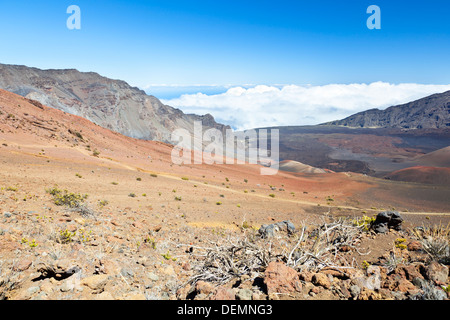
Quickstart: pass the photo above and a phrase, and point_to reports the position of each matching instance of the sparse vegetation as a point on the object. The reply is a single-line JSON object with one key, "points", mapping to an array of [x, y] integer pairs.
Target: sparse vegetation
{"points": [[76, 133], [103, 203], [364, 222], [245, 225], [168, 256], [95, 153], [365, 264], [65, 198], [400, 243], [65, 236], [435, 241], [31, 244]]}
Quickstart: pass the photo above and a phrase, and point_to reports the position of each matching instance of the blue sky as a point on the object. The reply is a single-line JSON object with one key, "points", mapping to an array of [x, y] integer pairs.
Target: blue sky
{"points": [[233, 42], [214, 45]]}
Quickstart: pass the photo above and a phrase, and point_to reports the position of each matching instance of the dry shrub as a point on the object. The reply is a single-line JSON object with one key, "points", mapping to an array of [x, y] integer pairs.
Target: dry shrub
{"points": [[250, 254]]}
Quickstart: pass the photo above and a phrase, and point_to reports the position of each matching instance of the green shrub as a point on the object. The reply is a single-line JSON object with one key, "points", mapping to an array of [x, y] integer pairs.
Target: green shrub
{"points": [[65, 198], [167, 256], [364, 222], [65, 236], [76, 133], [96, 153], [102, 203]]}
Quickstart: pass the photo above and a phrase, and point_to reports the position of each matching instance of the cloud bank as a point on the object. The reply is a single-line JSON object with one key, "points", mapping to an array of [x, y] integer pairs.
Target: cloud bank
{"points": [[265, 106]]}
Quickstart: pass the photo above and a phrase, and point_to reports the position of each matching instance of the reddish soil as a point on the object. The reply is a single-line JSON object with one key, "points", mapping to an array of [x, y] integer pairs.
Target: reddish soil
{"points": [[41, 147], [420, 174]]}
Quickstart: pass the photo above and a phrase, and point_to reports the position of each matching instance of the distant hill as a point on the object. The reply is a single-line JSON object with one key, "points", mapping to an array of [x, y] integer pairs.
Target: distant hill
{"points": [[112, 104], [438, 158], [420, 174], [432, 112], [298, 167]]}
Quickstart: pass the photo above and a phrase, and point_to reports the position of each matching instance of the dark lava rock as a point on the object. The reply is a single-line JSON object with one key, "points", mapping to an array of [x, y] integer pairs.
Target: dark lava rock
{"points": [[387, 220]]}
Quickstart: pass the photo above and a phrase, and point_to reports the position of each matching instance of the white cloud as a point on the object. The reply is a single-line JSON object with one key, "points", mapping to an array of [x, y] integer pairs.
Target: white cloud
{"points": [[262, 105]]}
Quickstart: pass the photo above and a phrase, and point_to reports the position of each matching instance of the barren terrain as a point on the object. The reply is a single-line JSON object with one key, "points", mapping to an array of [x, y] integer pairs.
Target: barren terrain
{"points": [[144, 215]]}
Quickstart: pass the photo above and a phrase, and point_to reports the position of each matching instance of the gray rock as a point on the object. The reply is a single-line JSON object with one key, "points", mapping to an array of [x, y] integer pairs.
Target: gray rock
{"points": [[152, 276], [127, 272], [437, 272], [354, 291], [398, 295], [66, 286], [244, 294], [380, 228], [419, 282], [430, 292], [267, 231], [387, 220], [32, 290]]}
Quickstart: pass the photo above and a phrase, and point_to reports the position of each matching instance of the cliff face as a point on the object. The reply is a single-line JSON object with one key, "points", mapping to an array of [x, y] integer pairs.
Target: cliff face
{"points": [[112, 104], [432, 112]]}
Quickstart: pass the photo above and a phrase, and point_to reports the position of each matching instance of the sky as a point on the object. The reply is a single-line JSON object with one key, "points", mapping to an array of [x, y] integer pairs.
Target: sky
{"points": [[228, 56]]}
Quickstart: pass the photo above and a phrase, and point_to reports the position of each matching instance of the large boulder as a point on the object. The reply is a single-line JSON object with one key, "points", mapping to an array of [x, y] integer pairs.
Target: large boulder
{"points": [[280, 278], [437, 272], [387, 220]]}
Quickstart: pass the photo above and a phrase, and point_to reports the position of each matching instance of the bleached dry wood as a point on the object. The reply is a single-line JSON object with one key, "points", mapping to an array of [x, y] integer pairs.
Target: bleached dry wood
{"points": [[234, 257]]}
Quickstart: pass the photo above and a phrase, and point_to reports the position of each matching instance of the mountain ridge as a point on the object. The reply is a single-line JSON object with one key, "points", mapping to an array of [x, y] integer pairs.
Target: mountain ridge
{"points": [[431, 112], [110, 103]]}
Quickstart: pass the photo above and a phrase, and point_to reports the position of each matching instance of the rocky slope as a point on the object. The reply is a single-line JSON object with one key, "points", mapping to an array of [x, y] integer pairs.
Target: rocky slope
{"points": [[429, 112], [112, 104], [89, 214]]}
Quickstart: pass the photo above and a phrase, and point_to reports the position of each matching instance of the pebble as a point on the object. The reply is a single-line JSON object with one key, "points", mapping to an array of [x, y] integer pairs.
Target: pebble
{"points": [[244, 294], [152, 276]]}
